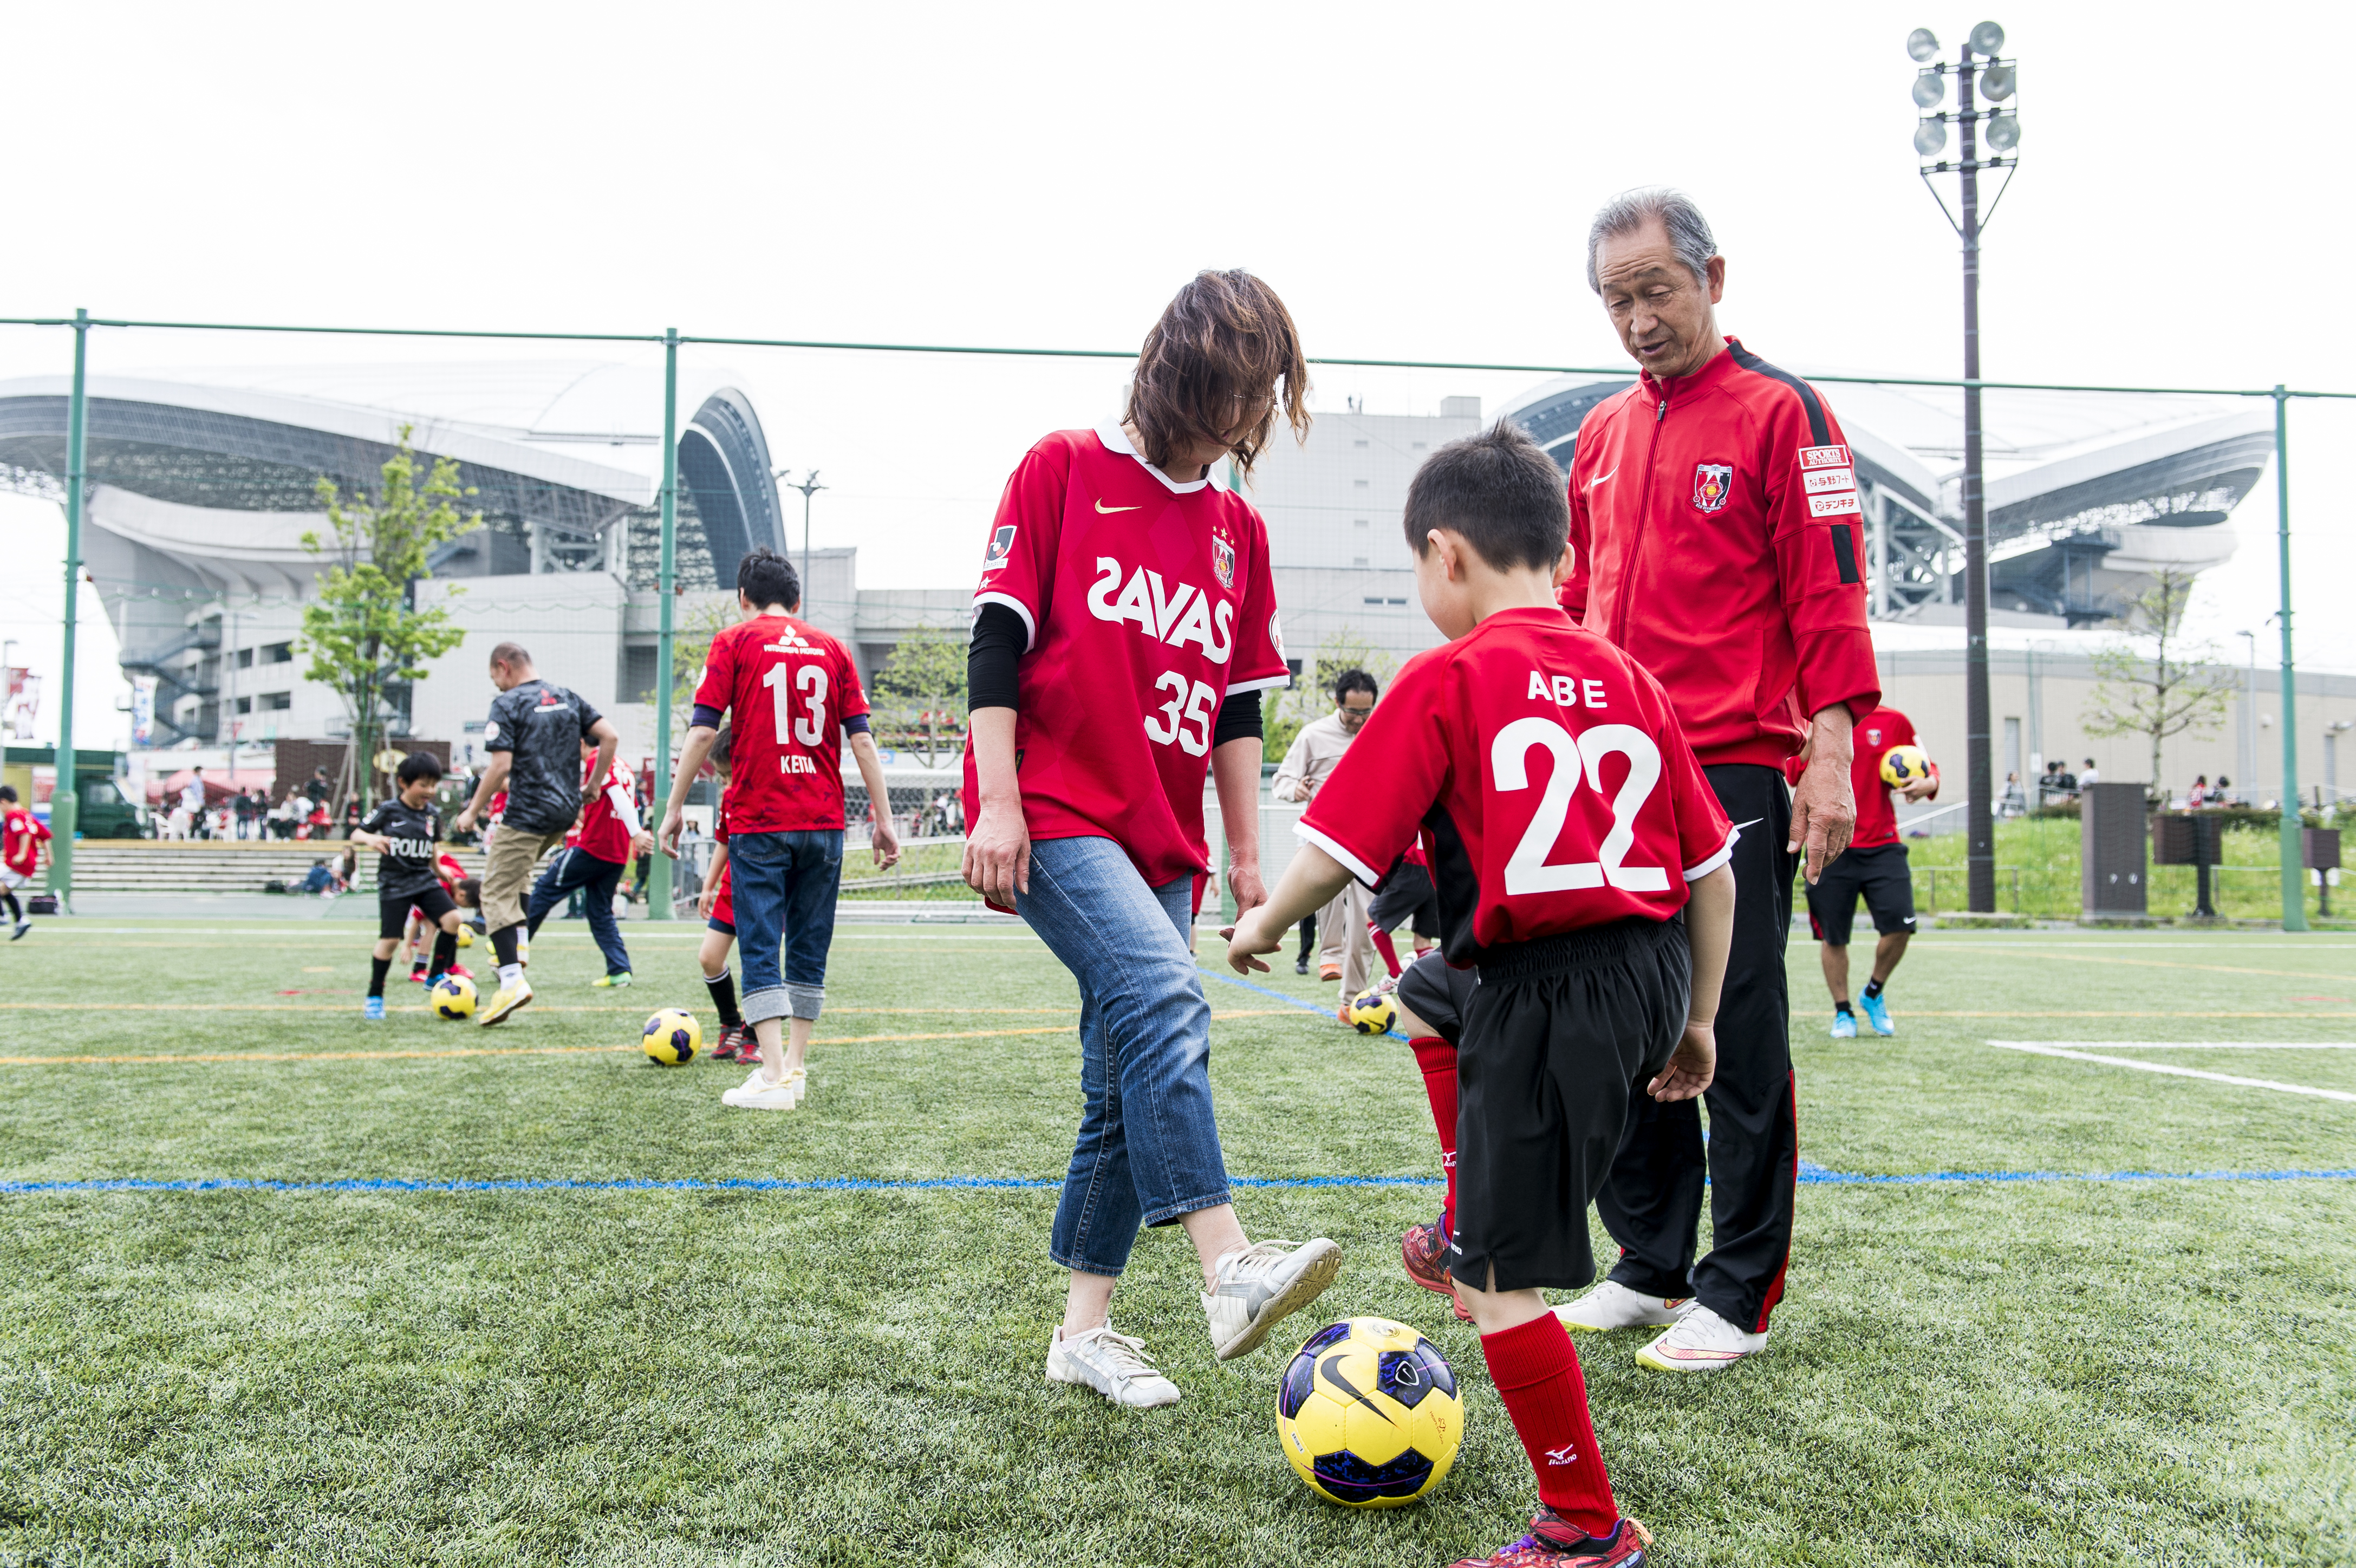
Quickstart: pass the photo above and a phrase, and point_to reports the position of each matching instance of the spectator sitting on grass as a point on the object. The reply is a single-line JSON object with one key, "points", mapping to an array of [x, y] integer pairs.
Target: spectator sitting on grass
{"points": [[319, 880]]}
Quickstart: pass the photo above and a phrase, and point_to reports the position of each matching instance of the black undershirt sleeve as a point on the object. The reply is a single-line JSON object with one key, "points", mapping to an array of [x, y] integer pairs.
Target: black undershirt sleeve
{"points": [[1240, 719], [998, 641]]}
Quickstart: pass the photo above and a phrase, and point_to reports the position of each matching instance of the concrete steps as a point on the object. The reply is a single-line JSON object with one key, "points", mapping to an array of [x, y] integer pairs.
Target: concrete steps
{"points": [[106, 866]]}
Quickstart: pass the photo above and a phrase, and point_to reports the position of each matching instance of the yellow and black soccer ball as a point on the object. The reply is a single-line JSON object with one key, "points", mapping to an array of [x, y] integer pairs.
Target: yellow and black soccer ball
{"points": [[452, 998], [1368, 1413], [466, 938], [672, 1036], [1901, 765], [1372, 1011]]}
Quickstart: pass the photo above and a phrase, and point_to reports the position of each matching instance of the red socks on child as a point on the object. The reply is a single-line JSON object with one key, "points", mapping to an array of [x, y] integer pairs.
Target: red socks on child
{"points": [[1536, 1374], [1436, 1058], [1382, 940]]}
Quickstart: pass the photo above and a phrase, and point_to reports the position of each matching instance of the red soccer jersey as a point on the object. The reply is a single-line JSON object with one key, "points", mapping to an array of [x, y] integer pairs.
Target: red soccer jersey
{"points": [[787, 687], [609, 819], [1148, 603], [1550, 779], [1876, 812], [21, 837]]}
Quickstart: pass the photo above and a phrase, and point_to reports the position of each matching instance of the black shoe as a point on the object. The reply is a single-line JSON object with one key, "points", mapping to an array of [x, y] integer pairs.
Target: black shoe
{"points": [[1301, 965]]}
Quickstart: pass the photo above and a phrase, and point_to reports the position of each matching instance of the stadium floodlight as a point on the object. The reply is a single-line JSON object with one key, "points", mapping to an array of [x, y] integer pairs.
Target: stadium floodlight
{"points": [[2003, 133], [1929, 86], [1921, 44], [1930, 136], [1987, 38], [1997, 83]]}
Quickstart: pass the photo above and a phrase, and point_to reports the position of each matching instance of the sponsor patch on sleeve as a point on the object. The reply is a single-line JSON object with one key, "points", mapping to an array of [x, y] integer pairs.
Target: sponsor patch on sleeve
{"points": [[1824, 456], [1815, 479], [1833, 505], [1002, 547]]}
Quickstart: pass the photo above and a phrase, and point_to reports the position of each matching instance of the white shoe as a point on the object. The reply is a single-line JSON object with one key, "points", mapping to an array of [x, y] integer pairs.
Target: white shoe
{"points": [[1112, 1364], [757, 1093], [1613, 1305], [1258, 1286], [1702, 1341]]}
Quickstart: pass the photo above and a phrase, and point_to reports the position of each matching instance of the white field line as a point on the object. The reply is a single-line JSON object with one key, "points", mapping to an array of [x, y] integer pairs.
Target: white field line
{"points": [[2045, 1050], [2188, 1045]]}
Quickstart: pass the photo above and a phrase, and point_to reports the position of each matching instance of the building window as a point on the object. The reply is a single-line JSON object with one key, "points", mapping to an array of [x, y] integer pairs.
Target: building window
{"points": [[1358, 522], [276, 701], [245, 658], [1362, 484], [278, 653], [638, 673], [1394, 601], [1358, 560], [1418, 446], [1374, 598], [1360, 442], [245, 704]]}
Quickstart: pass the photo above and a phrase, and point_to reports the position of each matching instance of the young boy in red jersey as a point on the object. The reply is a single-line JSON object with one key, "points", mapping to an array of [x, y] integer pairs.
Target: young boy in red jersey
{"points": [[22, 834], [1581, 861], [791, 693]]}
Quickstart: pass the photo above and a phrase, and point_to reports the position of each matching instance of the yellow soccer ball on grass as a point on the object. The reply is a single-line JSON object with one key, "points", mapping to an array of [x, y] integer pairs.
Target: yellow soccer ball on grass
{"points": [[1368, 1413], [466, 938], [452, 998], [1372, 1013], [672, 1036], [1903, 764]]}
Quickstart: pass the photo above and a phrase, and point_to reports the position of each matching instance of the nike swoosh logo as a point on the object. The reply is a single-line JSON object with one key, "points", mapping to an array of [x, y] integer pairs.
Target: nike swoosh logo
{"points": [[1599, 479], [1101, 507], [1325, 1370], [1752, 823]]}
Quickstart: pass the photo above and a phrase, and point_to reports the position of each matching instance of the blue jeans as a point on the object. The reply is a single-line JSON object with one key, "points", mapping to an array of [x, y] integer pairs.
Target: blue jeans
{"points": [[1149, 1144], [576, 871], [784, 886]]}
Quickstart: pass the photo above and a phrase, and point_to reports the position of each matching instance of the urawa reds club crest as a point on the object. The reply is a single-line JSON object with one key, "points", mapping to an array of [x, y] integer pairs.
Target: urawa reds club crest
{"points": [[1713, 482]]}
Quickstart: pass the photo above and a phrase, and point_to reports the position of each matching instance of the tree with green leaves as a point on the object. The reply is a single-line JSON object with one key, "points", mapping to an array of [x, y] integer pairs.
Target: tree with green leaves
{"points": [[2178, 688], [364, 632], [924, 678], [1312, 696]]}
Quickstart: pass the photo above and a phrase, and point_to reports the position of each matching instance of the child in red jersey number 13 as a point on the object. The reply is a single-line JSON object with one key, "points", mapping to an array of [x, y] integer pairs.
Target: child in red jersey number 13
{"points": [[1579, 860]]}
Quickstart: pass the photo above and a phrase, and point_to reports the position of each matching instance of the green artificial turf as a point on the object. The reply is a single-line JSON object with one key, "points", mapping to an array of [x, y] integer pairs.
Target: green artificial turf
{"points": [[1965, 1372]]}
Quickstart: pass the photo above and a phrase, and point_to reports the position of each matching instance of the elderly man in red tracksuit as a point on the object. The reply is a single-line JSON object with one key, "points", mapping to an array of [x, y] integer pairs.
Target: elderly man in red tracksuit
{"points": [[1714, 522]]}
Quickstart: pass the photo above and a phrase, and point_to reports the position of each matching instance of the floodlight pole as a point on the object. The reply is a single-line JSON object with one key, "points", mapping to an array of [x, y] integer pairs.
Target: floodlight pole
{"points": [[658, 863], [65, 795], [1979, 823], [808, 488], [2294, 869]]}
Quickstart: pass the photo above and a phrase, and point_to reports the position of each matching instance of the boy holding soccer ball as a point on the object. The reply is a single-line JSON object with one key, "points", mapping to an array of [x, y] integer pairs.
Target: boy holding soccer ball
{"points": [[1581, 861], [402, 830]]}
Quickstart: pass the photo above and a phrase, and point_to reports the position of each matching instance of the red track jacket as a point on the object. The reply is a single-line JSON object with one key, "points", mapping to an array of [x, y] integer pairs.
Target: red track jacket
{"points": [[1715, 527]]}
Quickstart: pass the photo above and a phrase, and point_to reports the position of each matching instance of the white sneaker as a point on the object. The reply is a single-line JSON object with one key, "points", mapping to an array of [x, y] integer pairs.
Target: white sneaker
{"points": [[757, 1093], [1112, 1364], [1613, 1305], [1702, 1341], [1258, 1286]]}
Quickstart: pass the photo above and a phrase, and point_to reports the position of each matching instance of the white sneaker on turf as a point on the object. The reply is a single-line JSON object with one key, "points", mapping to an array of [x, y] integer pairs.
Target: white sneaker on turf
{"points": [[757, 1093], [1260, 1284], [1702, 1341], [1112, 1364], [1613, 1305]]}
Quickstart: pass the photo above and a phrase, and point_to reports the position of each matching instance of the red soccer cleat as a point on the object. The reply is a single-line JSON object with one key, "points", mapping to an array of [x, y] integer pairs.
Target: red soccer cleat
{"points": [[735, 1041], [1423, 1252], [1553, 1541]]}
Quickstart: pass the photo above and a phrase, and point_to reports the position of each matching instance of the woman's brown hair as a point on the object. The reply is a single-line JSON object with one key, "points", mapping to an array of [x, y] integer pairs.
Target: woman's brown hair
{"points": [[1224, 345]]}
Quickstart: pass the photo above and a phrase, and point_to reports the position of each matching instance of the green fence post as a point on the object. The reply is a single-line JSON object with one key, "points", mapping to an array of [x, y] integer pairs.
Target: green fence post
{"points": [[659, 868], [65, 798], [2294, 871]]}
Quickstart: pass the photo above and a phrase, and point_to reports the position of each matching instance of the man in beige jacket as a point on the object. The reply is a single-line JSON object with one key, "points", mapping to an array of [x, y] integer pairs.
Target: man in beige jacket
{"points": [[1345, 953]]}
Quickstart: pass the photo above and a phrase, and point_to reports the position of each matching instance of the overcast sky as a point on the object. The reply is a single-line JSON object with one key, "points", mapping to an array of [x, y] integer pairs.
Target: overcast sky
{"points": [[1415, 180]]}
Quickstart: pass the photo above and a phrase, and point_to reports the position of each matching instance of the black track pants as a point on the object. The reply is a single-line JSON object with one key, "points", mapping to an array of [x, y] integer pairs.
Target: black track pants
{"points": [[1652, 1204]]}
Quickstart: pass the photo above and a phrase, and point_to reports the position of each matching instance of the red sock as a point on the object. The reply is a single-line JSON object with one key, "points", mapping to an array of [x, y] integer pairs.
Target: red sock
{"points": [[1382, 940], [1536, 1374], [1436, 1058]]}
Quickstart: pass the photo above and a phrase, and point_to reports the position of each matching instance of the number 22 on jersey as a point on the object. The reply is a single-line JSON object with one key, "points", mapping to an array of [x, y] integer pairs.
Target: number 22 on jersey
{"points": [[1576, 759]]}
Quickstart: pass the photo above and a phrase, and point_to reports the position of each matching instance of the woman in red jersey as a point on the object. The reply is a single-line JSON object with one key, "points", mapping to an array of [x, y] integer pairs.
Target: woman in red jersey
{"points": [[1124, 631]]}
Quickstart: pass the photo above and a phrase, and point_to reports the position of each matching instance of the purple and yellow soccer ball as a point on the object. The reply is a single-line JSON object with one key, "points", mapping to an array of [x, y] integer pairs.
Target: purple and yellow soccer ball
{"points": [[1901, 765], [672, 1037], [1372, 1013], [1368, 1415], [452, 998]]}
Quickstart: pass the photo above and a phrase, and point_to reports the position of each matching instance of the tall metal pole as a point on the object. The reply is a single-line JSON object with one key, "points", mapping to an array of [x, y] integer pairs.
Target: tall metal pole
{"points": [[2294, 873], [65, 798], [1978, 822], [658, 866]]}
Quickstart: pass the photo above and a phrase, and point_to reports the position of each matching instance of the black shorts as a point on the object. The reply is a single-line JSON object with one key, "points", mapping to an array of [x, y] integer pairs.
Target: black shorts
{"points": [[1882, 875], [393, 914], [1407, 896], [1437, 994], [1559, 1030]]}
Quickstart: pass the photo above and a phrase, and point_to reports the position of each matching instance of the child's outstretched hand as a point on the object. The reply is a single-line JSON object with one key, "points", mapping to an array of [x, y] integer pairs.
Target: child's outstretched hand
{"points": [[1691, 1066], [1246, 937]]}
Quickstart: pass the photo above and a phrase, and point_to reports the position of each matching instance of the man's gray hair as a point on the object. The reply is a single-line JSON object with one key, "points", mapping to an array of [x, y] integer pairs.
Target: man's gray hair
{"points": [[1630, 210]]}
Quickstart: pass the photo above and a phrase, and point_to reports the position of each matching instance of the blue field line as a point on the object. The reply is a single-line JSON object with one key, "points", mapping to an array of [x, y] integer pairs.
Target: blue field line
{"points": [[1280, 996], [1808, 1173]]}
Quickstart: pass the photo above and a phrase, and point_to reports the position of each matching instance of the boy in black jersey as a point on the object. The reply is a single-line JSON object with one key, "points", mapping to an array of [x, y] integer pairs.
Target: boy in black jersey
{"points": [[403, 831]]}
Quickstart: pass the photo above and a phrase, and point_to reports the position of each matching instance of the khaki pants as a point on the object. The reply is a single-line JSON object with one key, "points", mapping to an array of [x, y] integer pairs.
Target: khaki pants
{"points": [[1342, 937], [507, 874]]}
